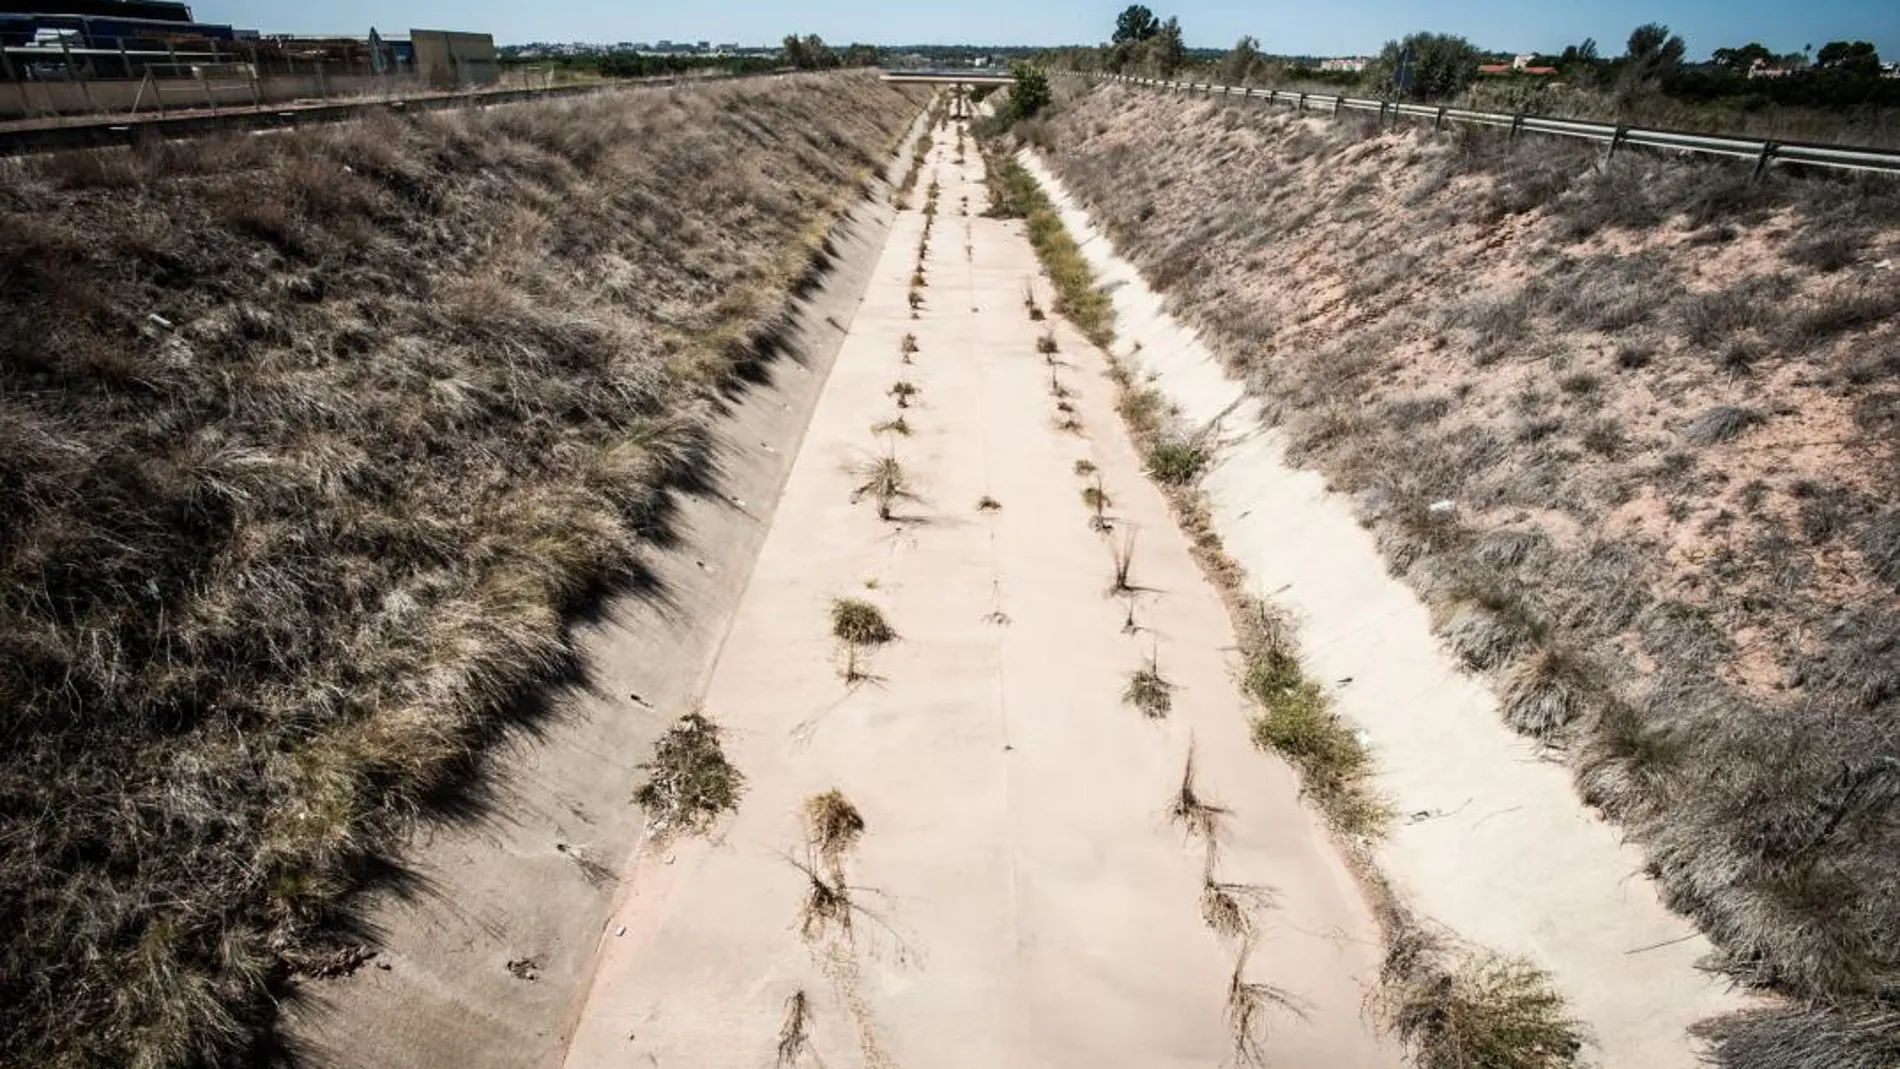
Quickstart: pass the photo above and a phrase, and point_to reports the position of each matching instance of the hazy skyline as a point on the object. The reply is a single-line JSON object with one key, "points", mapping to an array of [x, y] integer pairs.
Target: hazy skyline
{"points": [[1356, 26]]}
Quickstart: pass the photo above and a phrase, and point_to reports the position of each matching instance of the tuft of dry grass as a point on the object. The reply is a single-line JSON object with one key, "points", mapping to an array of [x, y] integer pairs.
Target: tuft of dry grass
{"points": [[1148, 692], [883, 480], [1250, 1007], [1122, 553], [1196, 815], [986, 503], [827, 905], [860, 623], [794, 1035], [689, 781], [279, 565], [1229, 908], [899, 426], [833, 826]]}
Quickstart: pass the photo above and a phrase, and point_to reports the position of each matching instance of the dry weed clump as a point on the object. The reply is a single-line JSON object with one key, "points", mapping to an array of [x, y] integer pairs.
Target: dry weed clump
{"points": [[1476, 1009], [310, 446], [689, 781], [1197, 816], [860, 623], [883, 480], [1677, 385], [1148, 691], [833, 826]]}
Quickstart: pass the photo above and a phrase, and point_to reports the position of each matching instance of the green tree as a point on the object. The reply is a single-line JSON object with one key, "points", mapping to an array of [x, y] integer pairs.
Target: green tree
{"points": [[860, 56], [809, 53], [1743, 59], [1167, 52], [1136, 23], [1851, 57], [1653, 50], [1030, 94], [1242, 63], [1425, 66]]}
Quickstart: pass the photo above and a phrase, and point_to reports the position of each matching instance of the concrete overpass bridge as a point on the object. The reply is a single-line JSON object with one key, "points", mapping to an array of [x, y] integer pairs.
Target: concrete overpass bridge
{"points": [[965, 76]]}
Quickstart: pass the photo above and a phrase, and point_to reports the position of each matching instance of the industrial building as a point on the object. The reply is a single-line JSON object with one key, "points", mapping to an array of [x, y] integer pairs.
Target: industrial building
{"points": [[63, 56]]}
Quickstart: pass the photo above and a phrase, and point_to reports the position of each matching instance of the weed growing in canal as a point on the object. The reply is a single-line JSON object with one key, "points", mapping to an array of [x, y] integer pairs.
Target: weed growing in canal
{"points": [[1098, 502], [898, 426], [988, 504], [794, 1036], [1150, 693], [827, 903], [917, 279], [832, 828], [1487, 1010], [904, 390], [1085, 468], [1056, 389], [1123, 552], [1248, 1005], [1197, 816], [1228, 908], [1046, 344], [884, 483], [689, 781], [1177, 462], [860, 623], [1299, 723]]}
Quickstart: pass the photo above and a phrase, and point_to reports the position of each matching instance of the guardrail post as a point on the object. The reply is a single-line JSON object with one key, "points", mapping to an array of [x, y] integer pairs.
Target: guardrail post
{"points": [[1517, 123], [1300, 104], [1616, 142], [1768, 149], [72, 73], [19, 84], [1338, 102], [1439, 122]]}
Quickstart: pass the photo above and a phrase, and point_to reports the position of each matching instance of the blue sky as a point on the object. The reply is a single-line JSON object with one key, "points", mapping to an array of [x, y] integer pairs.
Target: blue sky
{"points": [[1332, 27]]}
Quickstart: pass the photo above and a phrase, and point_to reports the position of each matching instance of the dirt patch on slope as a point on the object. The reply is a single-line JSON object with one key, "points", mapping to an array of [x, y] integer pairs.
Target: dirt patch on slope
{"points": [[1655, 409], [315, 447]]}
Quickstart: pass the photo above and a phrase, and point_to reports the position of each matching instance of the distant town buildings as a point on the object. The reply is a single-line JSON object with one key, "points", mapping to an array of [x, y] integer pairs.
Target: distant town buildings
{"points": [[664, 47], [1347, 64]]}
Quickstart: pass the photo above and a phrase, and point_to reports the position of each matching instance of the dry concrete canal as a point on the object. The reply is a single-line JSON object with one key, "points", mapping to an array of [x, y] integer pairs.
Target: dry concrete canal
{"points": [[1022, 891]]}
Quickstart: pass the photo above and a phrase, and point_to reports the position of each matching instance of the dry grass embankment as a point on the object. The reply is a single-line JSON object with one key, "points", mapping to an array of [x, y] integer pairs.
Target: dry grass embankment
{"points": [[310, 447], [1633, 434]]}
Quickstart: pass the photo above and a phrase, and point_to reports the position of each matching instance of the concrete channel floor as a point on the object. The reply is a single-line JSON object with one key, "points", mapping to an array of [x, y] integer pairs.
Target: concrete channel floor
{"points": [[1019, 895]]}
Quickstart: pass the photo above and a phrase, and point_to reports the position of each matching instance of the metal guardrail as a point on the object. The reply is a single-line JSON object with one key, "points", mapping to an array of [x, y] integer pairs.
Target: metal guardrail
{"points": [[1764, 153]]}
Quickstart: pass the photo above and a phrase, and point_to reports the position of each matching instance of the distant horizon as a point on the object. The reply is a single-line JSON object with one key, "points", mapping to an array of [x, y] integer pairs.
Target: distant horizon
{"points": [[1348, 28]]}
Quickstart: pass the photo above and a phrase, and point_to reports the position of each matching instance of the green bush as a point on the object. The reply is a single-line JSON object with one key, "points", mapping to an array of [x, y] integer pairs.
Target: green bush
{"points": [[1031, 93], [1176, 463]]}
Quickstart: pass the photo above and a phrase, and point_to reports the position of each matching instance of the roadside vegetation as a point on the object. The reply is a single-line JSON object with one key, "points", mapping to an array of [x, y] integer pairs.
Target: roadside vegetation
{"points": [[1838, 91], [310, 448], [1630, 430]]}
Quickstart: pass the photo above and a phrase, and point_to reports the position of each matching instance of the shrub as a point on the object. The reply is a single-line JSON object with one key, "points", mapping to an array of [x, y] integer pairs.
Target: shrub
{"points": [[689, 781], [859, 623], [1177, 462]]}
